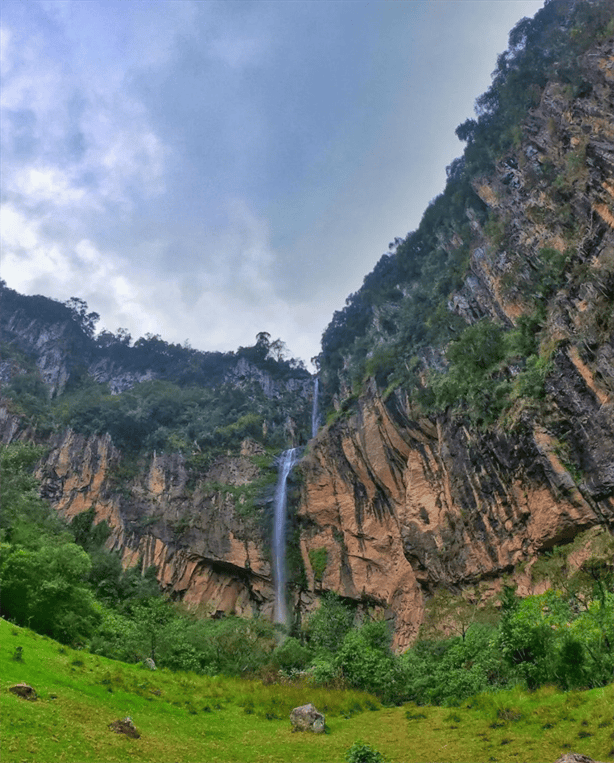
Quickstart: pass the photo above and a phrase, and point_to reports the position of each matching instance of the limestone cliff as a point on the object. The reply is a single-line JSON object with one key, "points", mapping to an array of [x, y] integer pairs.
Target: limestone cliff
{"points": [[403, 502], [207, 543]]}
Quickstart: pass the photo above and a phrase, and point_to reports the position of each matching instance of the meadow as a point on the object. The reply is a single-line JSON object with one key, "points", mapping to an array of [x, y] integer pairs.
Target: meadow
{"points": [[193, 718]]}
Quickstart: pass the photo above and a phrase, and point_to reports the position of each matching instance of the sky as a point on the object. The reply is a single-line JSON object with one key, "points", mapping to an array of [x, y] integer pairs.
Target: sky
{"points": [[208, 170]]}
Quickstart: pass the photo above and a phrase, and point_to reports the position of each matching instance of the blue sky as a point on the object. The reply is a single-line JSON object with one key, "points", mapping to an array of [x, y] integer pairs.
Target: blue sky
{"points": [[209, 170]]}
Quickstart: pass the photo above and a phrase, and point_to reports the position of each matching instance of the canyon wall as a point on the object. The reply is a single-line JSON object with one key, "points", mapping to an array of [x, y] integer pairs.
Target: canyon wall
{"points": [[403, 502], [207, 545]]}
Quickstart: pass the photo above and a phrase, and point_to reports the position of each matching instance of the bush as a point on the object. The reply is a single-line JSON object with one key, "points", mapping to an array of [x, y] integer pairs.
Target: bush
{"points": [[291, 655], [329, 624], [361, 752]]}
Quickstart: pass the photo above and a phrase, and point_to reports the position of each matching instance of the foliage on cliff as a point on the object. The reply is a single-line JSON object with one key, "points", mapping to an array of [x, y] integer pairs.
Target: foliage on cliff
{"points": [[174, 398], [413, 304]]}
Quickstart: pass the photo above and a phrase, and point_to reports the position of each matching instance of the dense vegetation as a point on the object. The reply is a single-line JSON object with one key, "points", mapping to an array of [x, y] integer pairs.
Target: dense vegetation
{"points": [[199, 404], [402, 319], [60, 580]]}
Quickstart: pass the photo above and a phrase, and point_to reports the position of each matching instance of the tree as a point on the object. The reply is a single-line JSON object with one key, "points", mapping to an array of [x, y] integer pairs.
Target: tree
{"points": [[47, 590], [86, 321], [151, 618], [330, 623]]}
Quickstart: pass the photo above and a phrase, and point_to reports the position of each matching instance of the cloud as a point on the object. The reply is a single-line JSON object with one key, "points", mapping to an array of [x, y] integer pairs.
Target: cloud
{"points": [[211, 170]]}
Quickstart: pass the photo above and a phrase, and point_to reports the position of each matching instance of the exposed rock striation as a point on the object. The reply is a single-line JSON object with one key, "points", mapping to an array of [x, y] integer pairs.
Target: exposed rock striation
{"points": [[405, 503], [205, 550], [401, 503]]}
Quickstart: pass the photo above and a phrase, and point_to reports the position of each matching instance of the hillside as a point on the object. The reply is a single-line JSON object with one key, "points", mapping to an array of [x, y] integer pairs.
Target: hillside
{"points": [[472, 376]]}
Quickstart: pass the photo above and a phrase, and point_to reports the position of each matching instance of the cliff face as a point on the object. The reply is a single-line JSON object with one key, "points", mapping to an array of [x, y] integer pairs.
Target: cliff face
{"points": [[55, 339], [209, 548], [404, 503]]}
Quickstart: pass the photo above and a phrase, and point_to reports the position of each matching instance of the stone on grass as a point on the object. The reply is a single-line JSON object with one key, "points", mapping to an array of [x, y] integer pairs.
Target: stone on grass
{"points": [[24, 691], [574, 757], [307, 718], [125, 726], [149, 664]]}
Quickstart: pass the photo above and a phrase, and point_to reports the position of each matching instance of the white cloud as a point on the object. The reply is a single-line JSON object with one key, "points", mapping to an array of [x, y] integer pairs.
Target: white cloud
{"points": [[45, 184], [125, 134]]}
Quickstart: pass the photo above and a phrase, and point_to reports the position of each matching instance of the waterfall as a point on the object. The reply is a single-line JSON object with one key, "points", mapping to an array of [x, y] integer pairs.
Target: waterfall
{"points": [[286, 461], [315, 413]]}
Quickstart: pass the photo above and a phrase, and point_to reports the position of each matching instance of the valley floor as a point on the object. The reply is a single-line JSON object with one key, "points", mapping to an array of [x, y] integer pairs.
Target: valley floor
{"points": [[196, 719]]}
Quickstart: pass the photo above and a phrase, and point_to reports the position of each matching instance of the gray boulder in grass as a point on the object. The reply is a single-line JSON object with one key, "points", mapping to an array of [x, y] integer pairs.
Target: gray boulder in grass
{"points": [[307, 718], [574, 757]]}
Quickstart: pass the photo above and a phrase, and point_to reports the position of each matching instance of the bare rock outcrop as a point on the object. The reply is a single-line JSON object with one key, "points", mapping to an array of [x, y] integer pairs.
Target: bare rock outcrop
{"points": [[403, 503]]}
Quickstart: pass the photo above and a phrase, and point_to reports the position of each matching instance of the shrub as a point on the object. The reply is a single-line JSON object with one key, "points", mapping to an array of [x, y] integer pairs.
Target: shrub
{"points": [[361, 752], [292, 655]]}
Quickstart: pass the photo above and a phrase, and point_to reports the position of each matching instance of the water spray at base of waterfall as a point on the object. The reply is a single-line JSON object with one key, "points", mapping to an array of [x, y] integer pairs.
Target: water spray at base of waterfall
{"points": [[286, 461]]}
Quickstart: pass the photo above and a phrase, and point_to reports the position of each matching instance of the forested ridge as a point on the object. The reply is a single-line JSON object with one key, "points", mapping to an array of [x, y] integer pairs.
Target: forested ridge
{"points": [[148, 394], [406, 324]]}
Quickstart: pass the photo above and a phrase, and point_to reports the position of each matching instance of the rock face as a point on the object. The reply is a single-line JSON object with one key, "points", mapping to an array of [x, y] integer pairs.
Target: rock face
{"points": [[403, 503], [55, 340], [205, 550]]}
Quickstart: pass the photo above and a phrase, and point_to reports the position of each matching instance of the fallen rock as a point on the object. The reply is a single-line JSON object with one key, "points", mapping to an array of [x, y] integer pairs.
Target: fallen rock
{"points": [[307, 718], [125, 726], [24, 691]]}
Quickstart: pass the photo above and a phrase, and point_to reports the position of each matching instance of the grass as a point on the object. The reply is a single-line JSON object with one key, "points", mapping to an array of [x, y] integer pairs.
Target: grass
{"points": [[191, 718]]}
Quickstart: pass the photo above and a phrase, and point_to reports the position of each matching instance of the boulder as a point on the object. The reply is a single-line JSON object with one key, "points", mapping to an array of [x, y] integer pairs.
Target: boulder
{"points": [[24, 691], [307, 718], [149, 664], [125, 726], [574, 757]]}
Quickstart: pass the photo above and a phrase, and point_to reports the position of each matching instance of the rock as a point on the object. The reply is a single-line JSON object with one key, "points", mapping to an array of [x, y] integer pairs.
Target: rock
{"points": [[574, 757], [307, 718], [24, 691], [125, 726], [149, 664]]}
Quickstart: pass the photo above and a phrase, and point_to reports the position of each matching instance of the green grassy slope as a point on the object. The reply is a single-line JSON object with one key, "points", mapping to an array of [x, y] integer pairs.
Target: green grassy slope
{"points": [[185, 717]]}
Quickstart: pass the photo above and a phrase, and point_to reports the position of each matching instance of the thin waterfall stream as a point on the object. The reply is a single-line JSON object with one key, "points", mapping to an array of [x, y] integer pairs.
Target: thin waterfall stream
{"points": [[286, 461], [315, 411]]}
